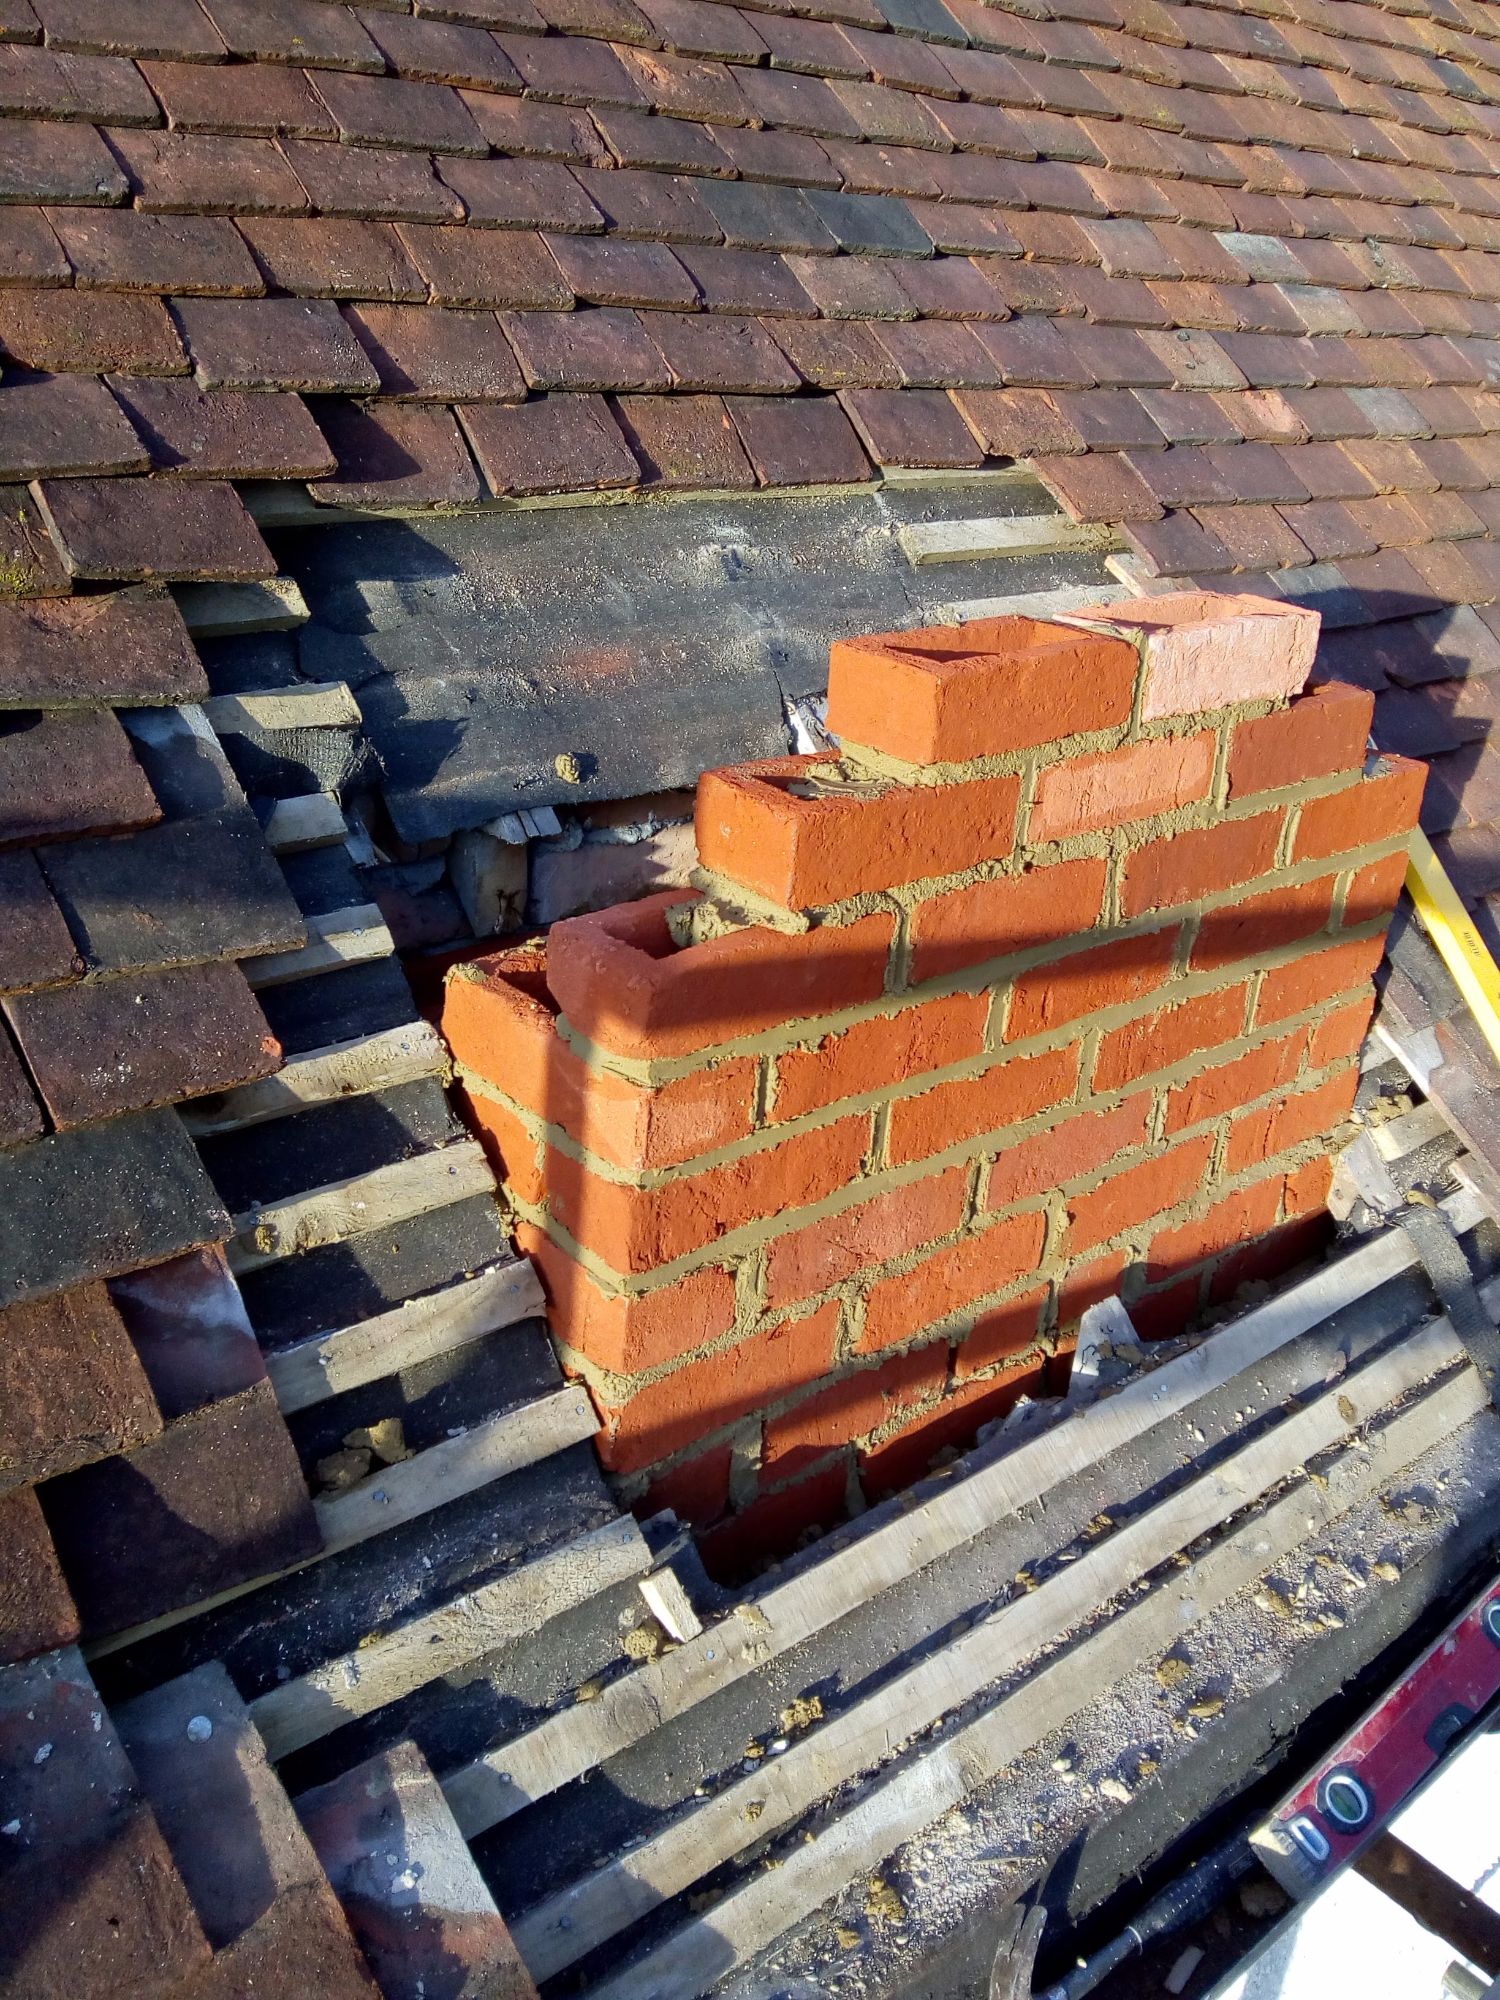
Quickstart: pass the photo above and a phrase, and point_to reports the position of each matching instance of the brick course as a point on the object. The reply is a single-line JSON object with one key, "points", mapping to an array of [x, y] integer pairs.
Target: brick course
{"points": [[1049, 985]]}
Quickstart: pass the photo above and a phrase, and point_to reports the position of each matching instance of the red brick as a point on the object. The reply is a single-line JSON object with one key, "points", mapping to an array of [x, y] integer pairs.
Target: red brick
{"points": [[1008, 913], [620, 981], [1375, 889], [1237, 1219], [703, 1396], [1319, 975], [1320, 733], [1278, 1252], [1087, 982], [1136, 1195], [1307, 1189], [954, 692], [1000, 1334], [873, 1054], [774, 1525], [511, 1148], [1002, 1095], [1079, 1145], [1379, 808], [628, 1333], [1156, 1041], [1261, 923], [954, 1425], [809, 1260], [1089, 1285], [791, 831], [1340, 1033], [944, 1285], [1259, 1135], [1087, 794], [1185, 866], [1206, 651], [851, 1408], [635, 1229], [499, 1022], [1165, 1314], [697, 1491], [1229, 1085]]}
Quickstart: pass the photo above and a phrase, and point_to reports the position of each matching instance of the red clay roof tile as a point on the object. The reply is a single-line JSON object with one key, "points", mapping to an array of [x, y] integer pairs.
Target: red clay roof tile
{"points": [[123, 249], [223, 433], [193, 173], [722, 353], [432, 355], [553, 444], [917, 427], [374, 182], [294, 31], [89, 333], [684, 441], [809, 442], [395, 455], [57, 424], [45, 162], [271, 344], [267, 98], [152, 529]]}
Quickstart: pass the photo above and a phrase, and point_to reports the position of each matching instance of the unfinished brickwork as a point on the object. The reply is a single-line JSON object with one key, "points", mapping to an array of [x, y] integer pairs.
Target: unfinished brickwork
{"points": [[1050, 986]]}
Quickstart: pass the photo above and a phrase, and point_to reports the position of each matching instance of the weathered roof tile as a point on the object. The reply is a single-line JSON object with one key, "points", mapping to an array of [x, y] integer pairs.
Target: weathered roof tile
{"points": [[371, 182], [328, 257], [192, 173], [685, 441], [67, 773], [223, 433], [41, 161], [721, 352], [554, 444], [599, 347], [125, 249], [64, 424], [809, 442], [144, 529], [125, 647], [267, 98], [441, 51], [270, 344], [522, 194], [403, 455], [84, 333], [917, 427], [101, 90], [294, 31], [130, 28], [432, 355], [486, 267]]}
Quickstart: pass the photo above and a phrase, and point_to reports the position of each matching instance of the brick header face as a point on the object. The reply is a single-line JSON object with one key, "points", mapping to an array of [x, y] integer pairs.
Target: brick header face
{"points": [[1049, 985]]}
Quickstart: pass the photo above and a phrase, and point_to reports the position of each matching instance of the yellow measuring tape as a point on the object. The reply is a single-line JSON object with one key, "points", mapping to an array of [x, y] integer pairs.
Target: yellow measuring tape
{"points": [[1451, 929]]}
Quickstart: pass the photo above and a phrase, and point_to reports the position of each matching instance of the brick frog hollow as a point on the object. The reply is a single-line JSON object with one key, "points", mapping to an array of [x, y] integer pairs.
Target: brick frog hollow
{"points": [[1050, 985]]}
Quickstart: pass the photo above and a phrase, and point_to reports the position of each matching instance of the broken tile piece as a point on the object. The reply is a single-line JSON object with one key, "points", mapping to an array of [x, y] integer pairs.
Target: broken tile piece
{"points": [[121, 530], [1201, 651], [133, 1043]]}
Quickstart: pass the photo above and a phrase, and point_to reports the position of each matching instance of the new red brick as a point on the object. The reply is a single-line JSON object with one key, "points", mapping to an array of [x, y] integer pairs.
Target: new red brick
{"points": [[793, 832], [1005, 914], [1259, 1135], [702, 1396], [1067, 1151], [1086, 794], [1131, 1198], [1238, 1219], [1158, 1040], [1292, 989], [945, 1286], [1185, 866], [1340, 1034], [1264, 922], [952, 1426], [1375, 889], [620, 981], [1087, 982], [1320, 733], [697, 1491], [872, 1055], [1000, 1334], [1229, 1085], [775, 1524], [628, 1333], [852, 1408], [1378, 808], [980, 690], [1002, 1095], [826, 1253], [505, 1032], [635, 1229]]}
